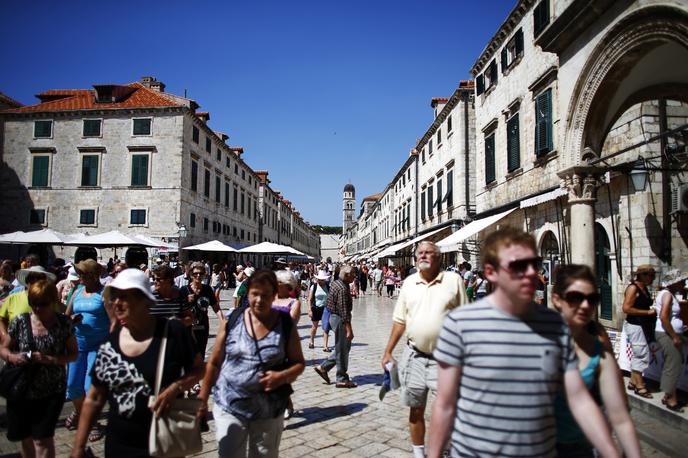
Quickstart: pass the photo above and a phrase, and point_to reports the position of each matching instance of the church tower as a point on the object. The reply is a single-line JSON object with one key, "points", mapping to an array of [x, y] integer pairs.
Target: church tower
{"points": [[349, 206]]}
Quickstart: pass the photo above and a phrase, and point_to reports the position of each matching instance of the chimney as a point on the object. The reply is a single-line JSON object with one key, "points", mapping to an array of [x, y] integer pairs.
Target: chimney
{"points": [[263, 176], [238, 150], [151, 83], [204, 116]]}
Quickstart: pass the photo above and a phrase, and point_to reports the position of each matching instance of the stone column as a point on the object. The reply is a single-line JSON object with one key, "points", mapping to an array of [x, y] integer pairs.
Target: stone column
{"points": [[582, 183]]}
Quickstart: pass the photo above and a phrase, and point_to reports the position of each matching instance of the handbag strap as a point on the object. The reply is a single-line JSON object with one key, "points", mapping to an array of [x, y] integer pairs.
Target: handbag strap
{"points": [[161, 361], [29, 336]]}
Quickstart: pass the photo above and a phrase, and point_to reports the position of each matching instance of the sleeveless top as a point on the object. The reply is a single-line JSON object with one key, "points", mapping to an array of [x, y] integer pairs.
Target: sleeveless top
{"points": [[237, 389], [674, 315], [320, 296], [642, 302], [95, 323], [284, 308], [568, 431]]}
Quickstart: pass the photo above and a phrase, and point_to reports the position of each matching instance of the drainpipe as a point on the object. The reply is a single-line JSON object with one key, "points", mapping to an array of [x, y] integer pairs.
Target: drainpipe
{"points": [[666, 191], [467, 183]]}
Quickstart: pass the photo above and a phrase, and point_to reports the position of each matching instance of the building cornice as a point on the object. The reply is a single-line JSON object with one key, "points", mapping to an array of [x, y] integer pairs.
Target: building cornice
{"points": [[503, 33], [442, 115], [89, 113]]}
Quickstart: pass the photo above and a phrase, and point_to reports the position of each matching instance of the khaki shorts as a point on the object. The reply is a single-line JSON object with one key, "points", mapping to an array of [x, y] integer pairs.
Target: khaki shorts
{"points": [[418, 376]]}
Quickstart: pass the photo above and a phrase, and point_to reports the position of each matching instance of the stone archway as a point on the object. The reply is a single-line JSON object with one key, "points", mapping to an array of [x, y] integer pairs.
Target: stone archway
{"points": [[635, 61]]}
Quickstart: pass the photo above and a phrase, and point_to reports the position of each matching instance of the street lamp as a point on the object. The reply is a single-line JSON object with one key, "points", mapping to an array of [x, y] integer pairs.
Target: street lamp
{"points": [[639, 175], [182, 231]]}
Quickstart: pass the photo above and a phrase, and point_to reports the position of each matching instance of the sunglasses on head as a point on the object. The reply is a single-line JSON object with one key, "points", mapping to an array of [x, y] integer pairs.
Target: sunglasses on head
{"points": [[520, 266], [577, 298]]}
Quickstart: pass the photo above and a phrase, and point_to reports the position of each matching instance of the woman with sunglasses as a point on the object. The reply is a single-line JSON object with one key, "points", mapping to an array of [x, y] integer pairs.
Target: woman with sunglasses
{"points": [[252, 361], [125, 367], [43, 339], [639, 326], [169, 301], [575, 295]]}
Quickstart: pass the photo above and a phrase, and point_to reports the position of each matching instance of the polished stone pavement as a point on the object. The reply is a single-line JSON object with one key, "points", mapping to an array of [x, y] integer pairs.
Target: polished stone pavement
{"points": [[328, 422]]}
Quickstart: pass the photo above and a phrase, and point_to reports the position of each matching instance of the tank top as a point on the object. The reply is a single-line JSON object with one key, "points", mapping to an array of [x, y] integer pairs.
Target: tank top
{"points": [[642, 302], [95, 324], [568, 431], [674, 315], [320, 296]]}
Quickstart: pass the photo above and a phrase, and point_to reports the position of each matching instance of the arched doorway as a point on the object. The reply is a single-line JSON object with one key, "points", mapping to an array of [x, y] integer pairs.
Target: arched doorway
{"points": [[603, 270]]}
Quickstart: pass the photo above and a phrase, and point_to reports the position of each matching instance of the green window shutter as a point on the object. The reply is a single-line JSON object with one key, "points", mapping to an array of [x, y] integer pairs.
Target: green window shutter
{"points": [[519, 42], [139, 170], [480, 84], [40, 171], [142, 126], [42, 129], [431, 201], [450, 188], [540, 17], [91, 128], [194, 176], [422, 206], [504, 59], [489, 159], [439, 195], [493, 73], [513, 145], [89, 170], [543, 125]]}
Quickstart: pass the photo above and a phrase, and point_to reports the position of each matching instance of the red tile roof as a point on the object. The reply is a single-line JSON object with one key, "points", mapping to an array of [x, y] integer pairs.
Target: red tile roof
{"points": [[238, 149], [373, 196], [84, 99]]}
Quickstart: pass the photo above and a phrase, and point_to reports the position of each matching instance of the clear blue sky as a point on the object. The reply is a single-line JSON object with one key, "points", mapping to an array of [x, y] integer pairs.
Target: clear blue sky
{"points": [[317, 92]]}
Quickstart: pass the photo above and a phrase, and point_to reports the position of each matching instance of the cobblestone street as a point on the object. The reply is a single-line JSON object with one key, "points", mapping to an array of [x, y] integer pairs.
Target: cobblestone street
{"points": [[328, 422]]}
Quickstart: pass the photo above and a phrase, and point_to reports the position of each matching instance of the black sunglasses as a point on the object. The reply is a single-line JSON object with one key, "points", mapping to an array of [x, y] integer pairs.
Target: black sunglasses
{"points": [[577, 298], [520, 266]]}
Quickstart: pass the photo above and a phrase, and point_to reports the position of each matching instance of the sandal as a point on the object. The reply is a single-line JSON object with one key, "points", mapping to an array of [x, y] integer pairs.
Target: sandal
{"points": [[326, 349], [72, 421], [642, 392], [311, 345], [96, 433], [673, 407], [630, 386], [322, 373], [347, 384]]}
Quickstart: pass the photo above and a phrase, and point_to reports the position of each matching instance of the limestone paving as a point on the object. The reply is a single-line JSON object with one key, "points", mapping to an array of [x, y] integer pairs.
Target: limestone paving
{"points": [[328, 421]]}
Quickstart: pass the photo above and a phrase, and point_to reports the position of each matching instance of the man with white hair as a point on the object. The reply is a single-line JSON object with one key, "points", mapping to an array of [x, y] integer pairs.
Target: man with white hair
{"points": [[425, 299], [339, 304]]}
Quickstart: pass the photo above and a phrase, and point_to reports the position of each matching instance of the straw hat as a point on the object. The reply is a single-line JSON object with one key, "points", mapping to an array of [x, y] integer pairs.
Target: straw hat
{"points": [[645, 269], [322, 275], [23, 273]]}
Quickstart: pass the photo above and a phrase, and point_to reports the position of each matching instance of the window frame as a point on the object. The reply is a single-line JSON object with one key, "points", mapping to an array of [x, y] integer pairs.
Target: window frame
{"points": [[492, 176], [95, 217], [100, 128], [133, 128], [131, 215], [32, 211], [148, 171], [99, 168], [52, 128], [513, 164], [194, 179], [207, 175], [33, 167]]}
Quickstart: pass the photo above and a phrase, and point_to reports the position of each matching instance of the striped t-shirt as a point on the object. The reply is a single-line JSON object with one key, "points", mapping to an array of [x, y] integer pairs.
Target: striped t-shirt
{"points": [[168, 308], [511, 371]]}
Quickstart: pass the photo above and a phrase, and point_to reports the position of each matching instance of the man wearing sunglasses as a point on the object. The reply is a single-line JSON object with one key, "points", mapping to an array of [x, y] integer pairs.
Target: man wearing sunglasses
{"points": [[505, 358]]}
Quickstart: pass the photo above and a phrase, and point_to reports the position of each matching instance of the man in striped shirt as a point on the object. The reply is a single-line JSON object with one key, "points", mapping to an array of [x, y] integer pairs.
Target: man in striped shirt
{"points": [[505, 358]]}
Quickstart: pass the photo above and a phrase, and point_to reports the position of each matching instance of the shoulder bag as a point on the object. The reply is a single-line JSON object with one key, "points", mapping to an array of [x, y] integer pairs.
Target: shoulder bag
{"points": [[177, 431], [14, 379]]}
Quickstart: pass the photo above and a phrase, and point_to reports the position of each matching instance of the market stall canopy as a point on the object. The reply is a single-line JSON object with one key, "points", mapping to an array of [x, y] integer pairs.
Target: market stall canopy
{"points": [[452, 242], [43, 236], [213, 245], [271, 248], [110, 239]]}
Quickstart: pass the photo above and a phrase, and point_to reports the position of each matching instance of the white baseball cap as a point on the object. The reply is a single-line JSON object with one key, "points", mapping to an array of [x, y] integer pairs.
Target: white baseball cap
{"points": [[131, 279]]}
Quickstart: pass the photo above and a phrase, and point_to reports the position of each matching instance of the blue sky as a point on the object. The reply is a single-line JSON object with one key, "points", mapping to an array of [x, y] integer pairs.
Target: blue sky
{"points": [[319, 93]]}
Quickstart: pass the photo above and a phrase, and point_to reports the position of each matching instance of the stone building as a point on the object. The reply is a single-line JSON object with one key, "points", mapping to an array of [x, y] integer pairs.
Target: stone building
{"points": [[572, 100], [128, 157]]}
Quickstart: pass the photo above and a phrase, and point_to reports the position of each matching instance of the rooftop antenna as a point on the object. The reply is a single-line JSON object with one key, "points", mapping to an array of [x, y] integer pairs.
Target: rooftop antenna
{"points": [[185, 94]]}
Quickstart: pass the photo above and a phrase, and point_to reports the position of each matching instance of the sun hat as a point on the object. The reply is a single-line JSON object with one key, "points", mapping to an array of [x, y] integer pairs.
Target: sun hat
{"points": [[239, 267], [131, 279], [645, 269], [72, 275], [322, 275], [88, 267], [280, 261], [249, 271], [22, 274]]}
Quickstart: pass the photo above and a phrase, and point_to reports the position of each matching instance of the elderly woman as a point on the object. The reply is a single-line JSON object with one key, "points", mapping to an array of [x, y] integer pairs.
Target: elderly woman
{"points": [[48, 337], [125, 366], [200, 297], [92, 326], [639, 325], [169, 301], [317, 297], [284, 302], [255, 358], [575, 296], [670, 336]]}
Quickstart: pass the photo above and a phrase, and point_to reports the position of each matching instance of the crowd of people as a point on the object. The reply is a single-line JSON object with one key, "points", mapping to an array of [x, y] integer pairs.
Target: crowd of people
{"points": [[509, 376]]}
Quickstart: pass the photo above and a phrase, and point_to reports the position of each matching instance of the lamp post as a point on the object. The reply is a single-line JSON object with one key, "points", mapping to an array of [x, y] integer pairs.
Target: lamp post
{"points": [[182, 232], [639, 175]]}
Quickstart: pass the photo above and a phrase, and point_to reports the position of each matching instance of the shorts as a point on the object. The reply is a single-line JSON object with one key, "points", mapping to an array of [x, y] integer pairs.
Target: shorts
{"points": [[317, 313], [418, 376], [34, 418]]}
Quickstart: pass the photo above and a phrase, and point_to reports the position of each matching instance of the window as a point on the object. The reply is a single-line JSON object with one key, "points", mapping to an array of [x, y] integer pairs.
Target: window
{"points": [[449, 123], [87, 217], [234, 231], [192, 220], [479, 84], [218, 189], [540, 17], [194, 176], [248, 209], [242, 203], [491, 74], [208, 145], [235, 199], [40, 171], [218, 155], [142, 126], [226, 194], [431, 201], [138, 216], [512, 144], [243, 174], [89, 170], [543, 123], [37, 216], [439, 195], [512, 51], [139, 170], [422, 155], [242, 234], [430, 147], [227, 160], [43, 129], [439, 137], [195, 134], [205, 224], [206, 184], [450, 189], [489, 159], [236, 169], [92, 127]]}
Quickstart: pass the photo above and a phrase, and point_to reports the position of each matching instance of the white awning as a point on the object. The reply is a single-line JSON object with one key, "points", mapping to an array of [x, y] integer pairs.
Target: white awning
{"points": [[451, 243], [400, 246], [542, 198], [391, 250]]}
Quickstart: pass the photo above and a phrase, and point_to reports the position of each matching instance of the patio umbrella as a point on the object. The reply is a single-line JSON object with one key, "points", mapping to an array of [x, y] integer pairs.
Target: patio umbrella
{"points": [[110, 239], [42, 236], [271, 248], [214, 245]]}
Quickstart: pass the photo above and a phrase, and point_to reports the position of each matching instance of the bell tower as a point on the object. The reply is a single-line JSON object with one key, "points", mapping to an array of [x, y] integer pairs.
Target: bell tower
{"points": [[349, 206]]}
